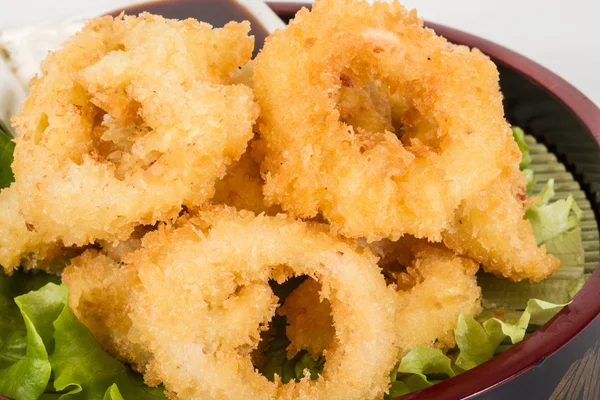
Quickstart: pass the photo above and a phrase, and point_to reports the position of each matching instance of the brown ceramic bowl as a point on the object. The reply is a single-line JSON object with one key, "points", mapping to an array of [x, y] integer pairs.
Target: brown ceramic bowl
{"points": [[559, 116]]}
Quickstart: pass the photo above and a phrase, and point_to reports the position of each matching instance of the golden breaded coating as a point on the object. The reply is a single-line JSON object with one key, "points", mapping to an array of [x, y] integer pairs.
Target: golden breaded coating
{"points": [[203, 298], [100, 291], [241, 187], [18, 241], [367, 108], [490, 228], [389, 74], [450, 139], [436, 288], [310, 325], [133, 119]]}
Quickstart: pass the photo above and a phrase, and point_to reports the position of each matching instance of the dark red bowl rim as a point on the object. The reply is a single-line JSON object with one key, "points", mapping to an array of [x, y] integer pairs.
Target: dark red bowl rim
{"points": [[585, 307]]}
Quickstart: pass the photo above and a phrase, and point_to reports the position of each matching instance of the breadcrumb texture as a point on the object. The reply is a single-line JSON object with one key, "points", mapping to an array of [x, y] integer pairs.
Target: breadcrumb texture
{"points": [[393, 131], [133, 119], [433, 289], [310, 325], [100, 291], [211, 271], [489, 227], [370, 179], [18, 241], [242, 185]]}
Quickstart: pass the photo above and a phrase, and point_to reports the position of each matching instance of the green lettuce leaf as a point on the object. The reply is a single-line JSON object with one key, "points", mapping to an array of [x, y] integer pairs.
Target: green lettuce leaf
{"points": [[48, 339], [568, 247], [530, 179], [557, 225], [13, 335], [424, 361], [513, 296], [277, 363], [27, 378], [5, 128], [276, 352], [7, 147], [519, 136], [552, 219], [415, 367], [305, 362], [43, 307], [112, 393], [477, 341]]}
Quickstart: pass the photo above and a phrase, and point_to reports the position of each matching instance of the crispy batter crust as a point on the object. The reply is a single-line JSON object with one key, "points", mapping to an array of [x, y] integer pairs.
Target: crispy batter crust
{"points": [[211, 271], [489, 228], [133, 119], [19, 240], [435, 287], [334, 87], [454, 139], [242, 185], [310, 325]]}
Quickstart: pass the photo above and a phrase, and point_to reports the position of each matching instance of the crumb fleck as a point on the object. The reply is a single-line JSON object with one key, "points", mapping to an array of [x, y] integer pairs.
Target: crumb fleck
{"points": [[346, 80]]}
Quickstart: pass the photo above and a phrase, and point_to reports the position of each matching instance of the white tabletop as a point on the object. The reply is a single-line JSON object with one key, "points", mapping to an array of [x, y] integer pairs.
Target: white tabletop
{"points": [[561, 35]]}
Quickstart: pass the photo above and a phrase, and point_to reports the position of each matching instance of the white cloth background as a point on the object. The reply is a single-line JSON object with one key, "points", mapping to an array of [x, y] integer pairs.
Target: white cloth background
{"points": [[561, 35]]}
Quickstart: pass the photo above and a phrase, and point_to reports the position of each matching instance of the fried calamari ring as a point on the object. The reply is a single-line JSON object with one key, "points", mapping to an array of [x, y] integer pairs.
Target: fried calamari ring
{"points": [[435, 287], [101, 292], [190, 312], [309, 321], [133, 119], [258, 249], [489, 228], [454, 139]]}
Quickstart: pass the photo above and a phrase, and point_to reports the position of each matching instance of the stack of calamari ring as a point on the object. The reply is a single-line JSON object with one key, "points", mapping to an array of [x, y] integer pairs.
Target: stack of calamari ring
{"points": [[177, 178]]}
